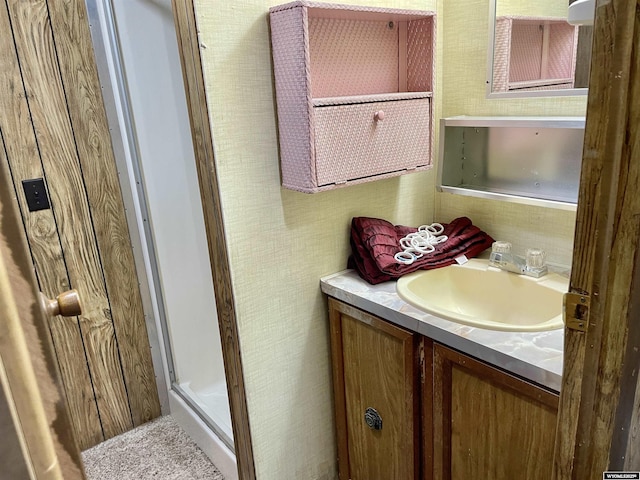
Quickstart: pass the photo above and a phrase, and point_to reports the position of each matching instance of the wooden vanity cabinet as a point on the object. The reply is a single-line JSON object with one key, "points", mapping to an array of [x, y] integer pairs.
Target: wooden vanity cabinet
{"points": [[444, 415], [375, 380], [489, 424]]}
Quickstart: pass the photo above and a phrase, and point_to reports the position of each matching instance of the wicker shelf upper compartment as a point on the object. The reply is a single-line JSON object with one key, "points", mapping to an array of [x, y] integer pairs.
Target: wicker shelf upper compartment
{"points": [[354, 88]]}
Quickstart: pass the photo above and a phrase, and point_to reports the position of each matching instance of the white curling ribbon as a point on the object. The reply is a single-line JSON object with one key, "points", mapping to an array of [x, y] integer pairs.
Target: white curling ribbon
{"points": [[415, 245]]}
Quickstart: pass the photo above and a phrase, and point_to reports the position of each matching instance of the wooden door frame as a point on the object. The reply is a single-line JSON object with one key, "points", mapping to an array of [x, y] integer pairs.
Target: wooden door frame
{"points": [[600, 388], [189, 49]]}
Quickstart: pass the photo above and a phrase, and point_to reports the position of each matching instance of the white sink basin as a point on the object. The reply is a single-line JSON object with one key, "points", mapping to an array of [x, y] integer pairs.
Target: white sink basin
{"points": [[482, 296]]}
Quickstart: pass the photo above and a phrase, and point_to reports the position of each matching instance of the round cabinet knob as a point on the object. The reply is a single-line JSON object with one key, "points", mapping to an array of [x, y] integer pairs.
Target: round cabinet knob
{"points": [[66, 304], [378, 116], [373, 419]]}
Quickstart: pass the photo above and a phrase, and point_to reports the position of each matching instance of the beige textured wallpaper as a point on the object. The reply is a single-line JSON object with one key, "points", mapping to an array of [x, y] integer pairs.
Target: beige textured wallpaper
{"points": [[282, 242], [465, 34], [539, 8]]}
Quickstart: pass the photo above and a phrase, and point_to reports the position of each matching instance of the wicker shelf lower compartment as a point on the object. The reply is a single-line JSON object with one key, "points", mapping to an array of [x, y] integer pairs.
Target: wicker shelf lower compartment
{"points": [[352, 144]]}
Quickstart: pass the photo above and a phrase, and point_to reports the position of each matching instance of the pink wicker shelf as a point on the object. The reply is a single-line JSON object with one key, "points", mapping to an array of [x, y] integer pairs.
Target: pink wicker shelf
{"points": [[534, 53], [354, 90]]}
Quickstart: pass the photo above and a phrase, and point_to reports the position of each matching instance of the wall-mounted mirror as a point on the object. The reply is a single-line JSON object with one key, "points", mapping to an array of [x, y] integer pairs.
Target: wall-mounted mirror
{"points": [[535, 52]]}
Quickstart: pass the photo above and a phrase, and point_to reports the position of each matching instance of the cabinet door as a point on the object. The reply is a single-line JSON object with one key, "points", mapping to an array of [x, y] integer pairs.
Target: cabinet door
{"points": [[375, 366], [489, 424], [351, 143]]}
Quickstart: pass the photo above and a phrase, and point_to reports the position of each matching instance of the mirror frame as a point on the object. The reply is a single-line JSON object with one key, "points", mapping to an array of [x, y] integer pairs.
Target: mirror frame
{"points": [[567, 92]]}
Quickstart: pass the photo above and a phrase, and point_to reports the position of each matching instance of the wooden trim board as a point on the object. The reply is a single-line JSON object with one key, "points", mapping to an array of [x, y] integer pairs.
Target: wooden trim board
{"points": [[189, 48]]}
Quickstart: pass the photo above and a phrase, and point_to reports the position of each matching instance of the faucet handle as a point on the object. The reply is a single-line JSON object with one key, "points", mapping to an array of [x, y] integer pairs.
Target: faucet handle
{"points": [[501, 247], [535, 258]]}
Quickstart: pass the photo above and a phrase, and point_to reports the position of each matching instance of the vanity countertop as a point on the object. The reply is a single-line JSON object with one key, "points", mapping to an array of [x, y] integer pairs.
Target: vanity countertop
{"points": [[535, 356]]}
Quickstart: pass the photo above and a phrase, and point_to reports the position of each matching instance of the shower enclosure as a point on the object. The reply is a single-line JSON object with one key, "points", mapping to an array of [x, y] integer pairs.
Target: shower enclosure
{"points": [[137, 55]]}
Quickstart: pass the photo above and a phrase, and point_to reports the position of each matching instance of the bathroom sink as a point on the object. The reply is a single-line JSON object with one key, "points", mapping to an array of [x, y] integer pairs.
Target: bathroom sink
{"points": [[486, 297]]}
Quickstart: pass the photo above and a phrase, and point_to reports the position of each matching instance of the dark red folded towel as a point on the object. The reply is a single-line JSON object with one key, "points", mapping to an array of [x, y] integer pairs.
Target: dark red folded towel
{"points": [[374, 243]]}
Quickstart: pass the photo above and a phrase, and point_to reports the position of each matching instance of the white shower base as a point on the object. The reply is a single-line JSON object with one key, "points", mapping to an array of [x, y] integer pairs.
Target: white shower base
{"points": [[223, 458], [213, 401]]}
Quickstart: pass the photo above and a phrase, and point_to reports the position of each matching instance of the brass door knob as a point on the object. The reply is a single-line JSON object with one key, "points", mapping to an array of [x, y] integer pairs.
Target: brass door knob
{"points": [[66, 304]]}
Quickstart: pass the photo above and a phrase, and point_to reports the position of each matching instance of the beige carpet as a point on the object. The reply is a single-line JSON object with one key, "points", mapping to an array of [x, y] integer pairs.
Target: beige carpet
{"points": [[157, 450]]}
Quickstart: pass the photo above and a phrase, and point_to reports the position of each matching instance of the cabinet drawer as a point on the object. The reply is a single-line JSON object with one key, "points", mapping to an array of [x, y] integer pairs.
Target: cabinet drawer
{"points": [[350, 143]]}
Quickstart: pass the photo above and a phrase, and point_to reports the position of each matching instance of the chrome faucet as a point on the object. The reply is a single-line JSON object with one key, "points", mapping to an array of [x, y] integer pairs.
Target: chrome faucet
{"points": [[533, 264]]}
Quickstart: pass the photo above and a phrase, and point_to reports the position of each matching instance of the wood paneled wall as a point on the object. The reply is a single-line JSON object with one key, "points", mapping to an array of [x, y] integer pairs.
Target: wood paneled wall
{"points": [[54, 127], [33, 410]]}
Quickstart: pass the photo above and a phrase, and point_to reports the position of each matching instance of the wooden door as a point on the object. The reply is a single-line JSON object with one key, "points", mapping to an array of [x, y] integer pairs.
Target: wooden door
{"points": [[489, 424], [600, 394], [36, 439], [375, 367], [54, 127]]}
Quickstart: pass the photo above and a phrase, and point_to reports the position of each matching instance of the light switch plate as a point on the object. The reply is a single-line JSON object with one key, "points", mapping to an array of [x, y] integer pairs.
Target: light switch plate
{"points": [[35, 192]]}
